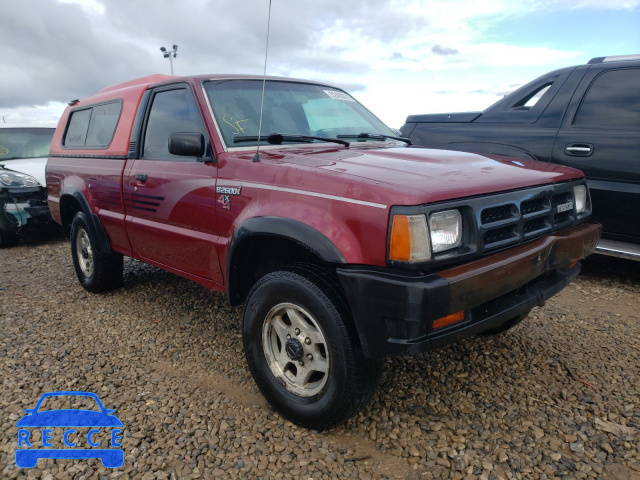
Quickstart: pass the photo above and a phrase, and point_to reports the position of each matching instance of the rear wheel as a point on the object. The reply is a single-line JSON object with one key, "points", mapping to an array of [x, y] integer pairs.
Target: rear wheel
{"points": [[302, 348], [96, 271]]}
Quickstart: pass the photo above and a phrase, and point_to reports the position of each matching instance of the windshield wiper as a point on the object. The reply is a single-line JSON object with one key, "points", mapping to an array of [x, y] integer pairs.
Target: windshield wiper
{"points": [[278, 138], [377, 136]]}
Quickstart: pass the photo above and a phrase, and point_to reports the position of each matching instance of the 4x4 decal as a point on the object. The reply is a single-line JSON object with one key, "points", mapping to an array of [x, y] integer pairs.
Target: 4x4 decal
{"points": [[224, 199]]}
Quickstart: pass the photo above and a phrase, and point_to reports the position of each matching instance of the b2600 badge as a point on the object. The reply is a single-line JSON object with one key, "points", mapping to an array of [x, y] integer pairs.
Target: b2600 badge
{"points": [[229, 190], [564, 207]]}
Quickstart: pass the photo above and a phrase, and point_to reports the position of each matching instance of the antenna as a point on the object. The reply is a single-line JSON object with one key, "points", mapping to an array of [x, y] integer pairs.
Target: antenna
{"points": [[256, 157]]}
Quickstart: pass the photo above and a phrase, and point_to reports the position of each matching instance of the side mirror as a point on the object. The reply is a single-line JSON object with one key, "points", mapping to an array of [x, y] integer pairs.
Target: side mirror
{"points": [[186, 144]]}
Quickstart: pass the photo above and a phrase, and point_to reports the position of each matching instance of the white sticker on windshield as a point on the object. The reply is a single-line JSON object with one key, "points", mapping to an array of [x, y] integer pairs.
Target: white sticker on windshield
{"points": [[339, 95]]}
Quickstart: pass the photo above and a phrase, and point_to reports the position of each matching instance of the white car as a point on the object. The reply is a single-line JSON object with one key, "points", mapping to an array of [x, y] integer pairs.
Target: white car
{"points": [[23, 190]]}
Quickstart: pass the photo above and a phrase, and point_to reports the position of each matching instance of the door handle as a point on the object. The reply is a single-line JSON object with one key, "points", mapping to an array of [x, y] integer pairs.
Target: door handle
{"points": [[141, 177], [579, 149]]}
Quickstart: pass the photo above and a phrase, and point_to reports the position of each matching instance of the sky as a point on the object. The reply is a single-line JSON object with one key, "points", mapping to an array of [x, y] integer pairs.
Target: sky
{"points": [[397, 57]]}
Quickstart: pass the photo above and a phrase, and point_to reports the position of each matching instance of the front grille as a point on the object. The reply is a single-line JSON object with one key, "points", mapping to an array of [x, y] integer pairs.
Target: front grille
{"points": [[529, 207], [536, 225], [508, 220], [561, 217], [560, 199], [497, 214], [501, 234]]}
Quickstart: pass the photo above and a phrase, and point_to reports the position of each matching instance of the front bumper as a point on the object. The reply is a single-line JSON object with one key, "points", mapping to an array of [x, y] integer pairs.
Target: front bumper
{"points": [[394, 311], [23, 207]]}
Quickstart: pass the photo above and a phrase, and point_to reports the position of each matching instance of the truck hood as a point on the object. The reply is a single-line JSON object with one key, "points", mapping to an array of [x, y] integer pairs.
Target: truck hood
{"points": [[420, 175], [31, 166]]}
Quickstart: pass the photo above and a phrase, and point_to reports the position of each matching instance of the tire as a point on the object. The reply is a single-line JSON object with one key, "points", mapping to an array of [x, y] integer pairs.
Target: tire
{"points": [[96, 271], [334, 380], [508, 325], [8, 239]]}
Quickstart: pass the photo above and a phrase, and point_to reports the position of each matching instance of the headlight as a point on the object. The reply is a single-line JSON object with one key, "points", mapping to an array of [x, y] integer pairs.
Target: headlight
{"points": [[409, 240], [580, 194], [14, 179], [412, 240], [446, 230]]}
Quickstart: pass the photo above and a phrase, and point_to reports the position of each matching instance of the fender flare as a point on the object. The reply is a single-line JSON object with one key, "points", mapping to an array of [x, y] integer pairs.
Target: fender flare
{"points": [[95, 226], [288, 229], [284, 228]]}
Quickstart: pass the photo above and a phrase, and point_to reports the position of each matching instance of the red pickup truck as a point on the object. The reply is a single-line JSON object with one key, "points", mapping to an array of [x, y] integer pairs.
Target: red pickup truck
{"points": [[344, 243]]}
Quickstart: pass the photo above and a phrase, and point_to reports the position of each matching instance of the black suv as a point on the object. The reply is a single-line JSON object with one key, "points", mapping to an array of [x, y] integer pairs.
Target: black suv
{"points": [[587, 117]]}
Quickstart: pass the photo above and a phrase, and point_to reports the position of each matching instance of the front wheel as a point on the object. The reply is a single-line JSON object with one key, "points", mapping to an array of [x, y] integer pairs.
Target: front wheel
{"points": [[96, 271], [302, 348]]}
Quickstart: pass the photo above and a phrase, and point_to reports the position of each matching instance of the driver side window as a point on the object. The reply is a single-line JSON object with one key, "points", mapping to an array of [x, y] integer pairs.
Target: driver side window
{"points": [[172, 111]]}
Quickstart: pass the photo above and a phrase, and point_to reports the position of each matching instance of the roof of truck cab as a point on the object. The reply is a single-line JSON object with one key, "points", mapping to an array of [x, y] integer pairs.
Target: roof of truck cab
{"points": [[159, 79], [125, 90], [230, 76], [134, 88], [142, 82]]}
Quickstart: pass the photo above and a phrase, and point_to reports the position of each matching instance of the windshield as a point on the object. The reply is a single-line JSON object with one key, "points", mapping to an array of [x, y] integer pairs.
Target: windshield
{"points": [[24, 142], [289, 108]]}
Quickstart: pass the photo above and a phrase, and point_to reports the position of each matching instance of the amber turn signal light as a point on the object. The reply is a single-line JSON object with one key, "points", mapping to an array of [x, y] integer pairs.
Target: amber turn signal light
{"points": [[448, 320], [409, 241], [399, 248]]}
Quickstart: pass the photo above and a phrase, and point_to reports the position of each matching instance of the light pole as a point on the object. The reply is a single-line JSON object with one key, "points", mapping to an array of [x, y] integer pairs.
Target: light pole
{"points": [[168, 54]]}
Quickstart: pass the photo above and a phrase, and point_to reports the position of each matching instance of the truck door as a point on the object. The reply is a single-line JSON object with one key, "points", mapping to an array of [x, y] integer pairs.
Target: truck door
{"points": [[170, 200], [600, 135]]}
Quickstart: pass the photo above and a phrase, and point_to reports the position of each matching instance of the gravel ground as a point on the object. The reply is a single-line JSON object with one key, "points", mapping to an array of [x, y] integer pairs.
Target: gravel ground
{"points": [[558, 396]]}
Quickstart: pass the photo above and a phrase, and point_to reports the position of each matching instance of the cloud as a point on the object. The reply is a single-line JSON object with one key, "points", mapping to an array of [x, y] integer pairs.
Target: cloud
{"points": [[391, 52], [444, 51], [74, 48], [597, 4], [45, 115], [89, 6], [51, 53]]}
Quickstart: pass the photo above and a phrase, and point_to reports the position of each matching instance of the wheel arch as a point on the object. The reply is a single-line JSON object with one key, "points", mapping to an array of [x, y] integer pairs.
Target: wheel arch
{"points": [[263, 244], [73, 201]]}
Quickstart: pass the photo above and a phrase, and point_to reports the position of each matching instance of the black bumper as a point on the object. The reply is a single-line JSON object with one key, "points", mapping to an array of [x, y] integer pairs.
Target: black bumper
{"points": [[394, 311]]}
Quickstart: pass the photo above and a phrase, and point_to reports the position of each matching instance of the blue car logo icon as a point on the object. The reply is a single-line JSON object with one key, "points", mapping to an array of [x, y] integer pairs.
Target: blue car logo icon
{"points": [[69, 419]]}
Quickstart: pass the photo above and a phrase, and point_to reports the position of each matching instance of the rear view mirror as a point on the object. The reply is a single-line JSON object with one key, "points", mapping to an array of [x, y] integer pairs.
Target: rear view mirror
{"points": [[186, 144]]}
